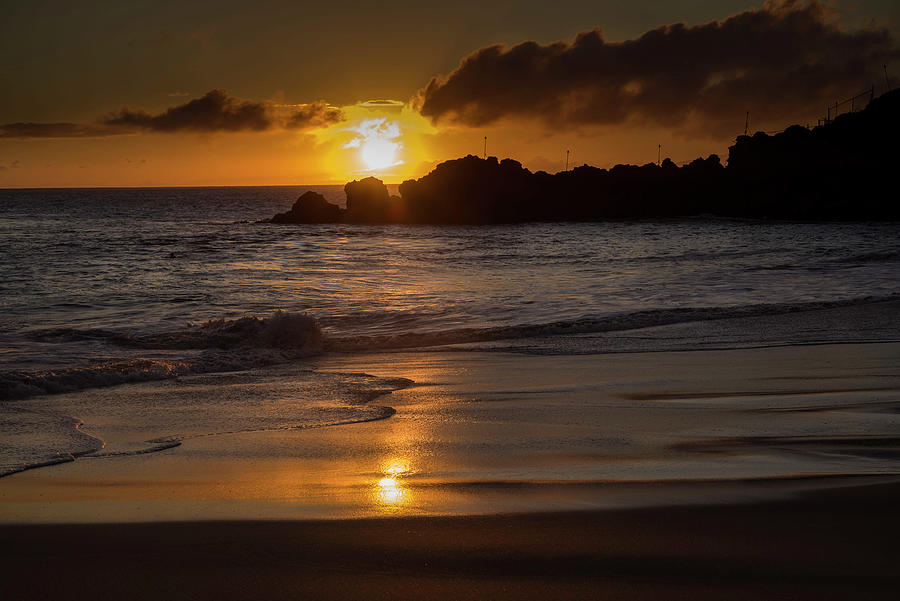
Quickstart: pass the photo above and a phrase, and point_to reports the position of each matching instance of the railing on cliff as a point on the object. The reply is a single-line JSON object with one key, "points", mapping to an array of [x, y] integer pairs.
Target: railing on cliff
{"points": [[851, 105]]}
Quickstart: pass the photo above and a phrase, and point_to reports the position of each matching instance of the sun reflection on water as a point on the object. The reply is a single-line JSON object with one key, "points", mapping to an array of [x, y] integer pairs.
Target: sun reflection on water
{"points": [[389, 490]]}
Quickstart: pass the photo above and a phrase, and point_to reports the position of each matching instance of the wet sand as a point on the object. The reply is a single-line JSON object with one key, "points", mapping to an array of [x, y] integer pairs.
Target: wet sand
{"points": [[837, 544], [745, 474], [493, 433]]}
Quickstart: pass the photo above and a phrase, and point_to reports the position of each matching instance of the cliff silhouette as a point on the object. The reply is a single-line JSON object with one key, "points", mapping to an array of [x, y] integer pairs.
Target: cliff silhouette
{"points": [[842, 170]]}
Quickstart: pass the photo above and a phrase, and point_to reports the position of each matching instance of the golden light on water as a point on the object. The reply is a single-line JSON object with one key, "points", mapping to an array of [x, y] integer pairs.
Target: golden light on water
{"points": [[389, 490], [395, 467]]}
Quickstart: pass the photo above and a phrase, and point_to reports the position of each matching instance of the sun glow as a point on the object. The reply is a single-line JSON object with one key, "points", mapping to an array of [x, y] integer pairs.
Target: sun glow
{"points": [[389, 490], [385, 139], [378, 143]]}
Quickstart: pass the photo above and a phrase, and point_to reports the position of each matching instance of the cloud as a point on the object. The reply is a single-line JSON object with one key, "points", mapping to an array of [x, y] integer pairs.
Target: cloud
{"points": [[780, 61], [56, 130], [315, 114], [215, 111], [384, 106], [381, 103]]}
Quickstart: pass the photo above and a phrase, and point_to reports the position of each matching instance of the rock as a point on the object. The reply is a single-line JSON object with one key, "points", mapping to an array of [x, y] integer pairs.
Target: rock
{"points": [[311, 207], [368, 201]]}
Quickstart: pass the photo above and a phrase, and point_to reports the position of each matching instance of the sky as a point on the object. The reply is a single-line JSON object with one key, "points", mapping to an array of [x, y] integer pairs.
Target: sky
{"points": [[277, 92]]}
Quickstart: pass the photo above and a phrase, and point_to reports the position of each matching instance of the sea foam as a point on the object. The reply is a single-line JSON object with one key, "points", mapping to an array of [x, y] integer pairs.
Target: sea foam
{"points": [[225, 345], [220, 345]]}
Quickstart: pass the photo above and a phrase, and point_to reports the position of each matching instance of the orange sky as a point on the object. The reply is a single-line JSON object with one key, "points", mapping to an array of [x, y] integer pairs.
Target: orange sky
{"points": [[80, 63]]}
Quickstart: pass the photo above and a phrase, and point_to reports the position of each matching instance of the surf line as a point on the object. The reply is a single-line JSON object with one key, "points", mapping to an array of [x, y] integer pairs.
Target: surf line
{"points": [[61, 456]]}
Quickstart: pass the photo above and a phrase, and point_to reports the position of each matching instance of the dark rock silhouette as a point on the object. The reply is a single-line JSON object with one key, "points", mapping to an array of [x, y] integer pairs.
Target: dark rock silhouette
{"points": [[311, 207], [842, 170], [368, 201], [839, 171], [472, 190]]}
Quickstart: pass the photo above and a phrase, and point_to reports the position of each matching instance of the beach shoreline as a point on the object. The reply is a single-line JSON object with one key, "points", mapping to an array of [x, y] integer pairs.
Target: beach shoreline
{"points": [[487, 433], [756, 473]]}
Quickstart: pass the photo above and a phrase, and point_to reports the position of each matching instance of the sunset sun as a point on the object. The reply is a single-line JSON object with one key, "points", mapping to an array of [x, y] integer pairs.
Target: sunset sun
{"points": [[379, 153], [378, 141]]}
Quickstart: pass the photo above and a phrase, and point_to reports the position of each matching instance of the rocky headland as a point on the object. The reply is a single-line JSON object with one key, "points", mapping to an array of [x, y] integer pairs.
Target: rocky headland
{"points": [[843, 170]]}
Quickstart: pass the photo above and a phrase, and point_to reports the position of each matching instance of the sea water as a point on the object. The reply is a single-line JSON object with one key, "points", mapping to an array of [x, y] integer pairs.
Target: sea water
{"points": [[181, 293]]}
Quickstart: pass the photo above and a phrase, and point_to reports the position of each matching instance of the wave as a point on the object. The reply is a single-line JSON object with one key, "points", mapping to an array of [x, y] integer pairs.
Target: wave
{"points": [[873, 257], [283, 330], [588, 325], [225, 345], [23, 384]]}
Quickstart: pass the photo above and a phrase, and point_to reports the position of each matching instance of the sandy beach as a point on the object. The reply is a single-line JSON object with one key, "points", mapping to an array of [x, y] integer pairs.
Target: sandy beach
{"points": [[482, 433], [839, 544], [464, 493]]}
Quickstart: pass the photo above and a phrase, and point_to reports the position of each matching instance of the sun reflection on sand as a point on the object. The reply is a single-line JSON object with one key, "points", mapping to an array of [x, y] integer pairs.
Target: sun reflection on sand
{"points": [[389, 490]]}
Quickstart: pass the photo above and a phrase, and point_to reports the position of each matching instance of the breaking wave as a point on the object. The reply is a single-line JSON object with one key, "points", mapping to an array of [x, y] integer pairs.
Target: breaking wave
{"points": [[23, 384], [589, 325], [224, 345], [283, 330]]}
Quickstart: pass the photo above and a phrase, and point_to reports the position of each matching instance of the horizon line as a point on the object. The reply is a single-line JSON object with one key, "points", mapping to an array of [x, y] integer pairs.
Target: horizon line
{"points": [[173, 187]]}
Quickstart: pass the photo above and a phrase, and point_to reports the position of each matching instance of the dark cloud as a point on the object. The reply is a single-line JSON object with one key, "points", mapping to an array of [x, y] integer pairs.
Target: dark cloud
{"points": [[315, 114], [56, 130], [782, 61], [215, 111]]}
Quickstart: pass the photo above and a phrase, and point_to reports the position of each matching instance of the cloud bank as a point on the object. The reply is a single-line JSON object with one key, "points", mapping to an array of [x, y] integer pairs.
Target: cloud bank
{"points": [[782, 61], [56, 130], [316, 114], [213, 112]]}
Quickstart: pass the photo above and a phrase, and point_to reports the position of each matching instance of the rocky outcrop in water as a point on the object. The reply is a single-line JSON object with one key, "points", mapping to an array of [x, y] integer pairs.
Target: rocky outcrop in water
{"points": [[839, 171], [311, 207], [368, 201]]}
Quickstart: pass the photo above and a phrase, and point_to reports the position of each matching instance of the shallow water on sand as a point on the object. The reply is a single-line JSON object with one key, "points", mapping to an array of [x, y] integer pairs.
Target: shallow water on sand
{"points": [[145, 324], [484, 433]]}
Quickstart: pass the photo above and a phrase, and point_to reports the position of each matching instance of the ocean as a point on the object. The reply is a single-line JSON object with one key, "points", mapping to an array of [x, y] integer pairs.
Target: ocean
{"points": [[110, 296]]}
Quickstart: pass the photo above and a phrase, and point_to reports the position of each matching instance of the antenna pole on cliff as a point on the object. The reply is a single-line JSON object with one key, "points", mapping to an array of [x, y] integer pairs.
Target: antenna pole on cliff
{"points": [[658, 154], [567, 160], [747, 124], [485, 147], [887, 82]]}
